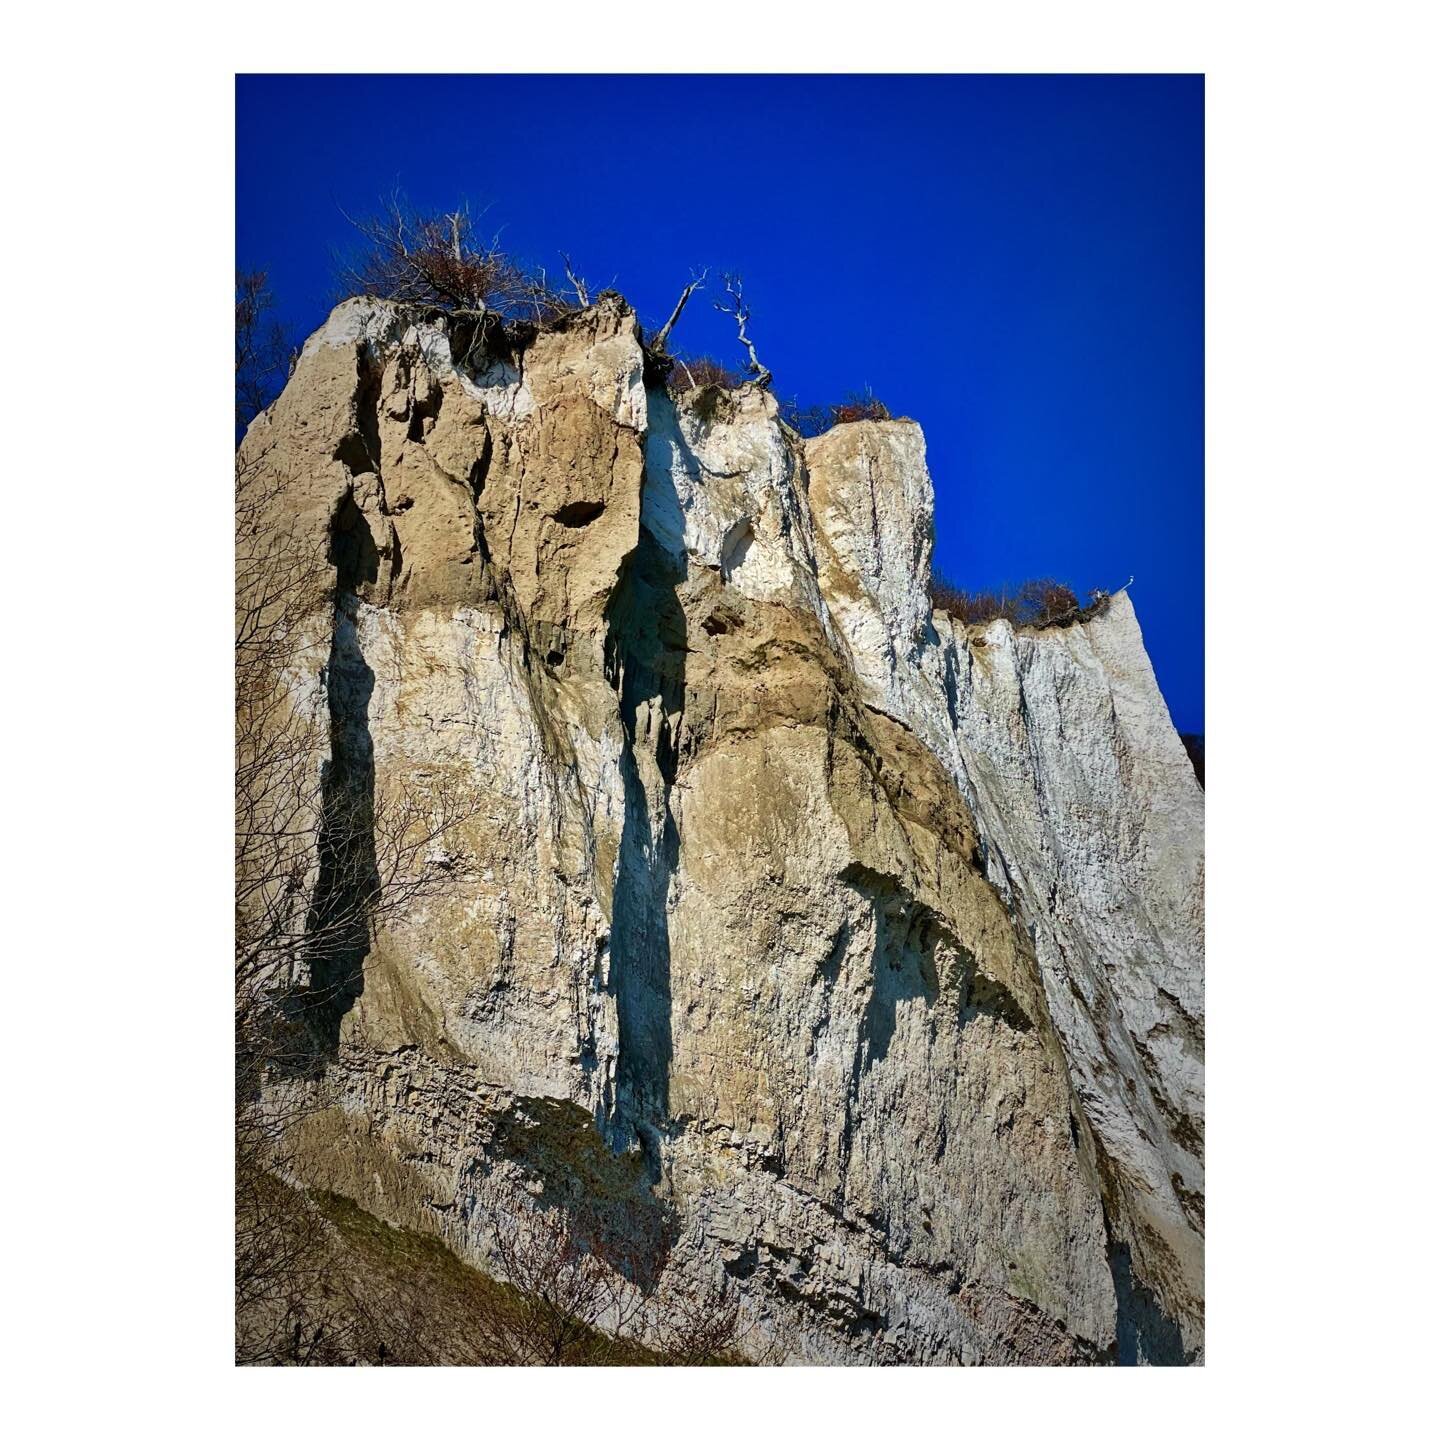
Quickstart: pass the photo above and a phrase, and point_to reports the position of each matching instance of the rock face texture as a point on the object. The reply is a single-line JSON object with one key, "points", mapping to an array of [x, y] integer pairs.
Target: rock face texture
{"points": [[863, 948]]}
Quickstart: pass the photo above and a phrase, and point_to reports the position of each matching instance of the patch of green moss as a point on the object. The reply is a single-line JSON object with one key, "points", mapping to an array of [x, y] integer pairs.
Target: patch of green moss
{"points": [[395, 1247]]}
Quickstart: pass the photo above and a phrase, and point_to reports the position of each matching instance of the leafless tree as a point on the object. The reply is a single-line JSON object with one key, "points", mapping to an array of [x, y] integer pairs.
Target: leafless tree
{"points": [[262, 347], [293, 955], [577, 282], [662, 336], [740, 311], [282, 1262], [285, 594], [569, 1303], [700, 1329]]}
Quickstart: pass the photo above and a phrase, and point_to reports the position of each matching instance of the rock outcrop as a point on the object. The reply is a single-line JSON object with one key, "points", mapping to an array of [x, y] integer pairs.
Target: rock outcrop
{"points": [[862, 948]]}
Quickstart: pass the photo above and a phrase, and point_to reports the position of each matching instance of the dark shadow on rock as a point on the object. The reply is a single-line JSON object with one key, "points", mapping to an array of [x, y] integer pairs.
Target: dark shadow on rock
{"points": [[1195, 749], [348, 883], [1144, 1333], [909, 940], [904, 970], [607, 1196], [645, 654]]}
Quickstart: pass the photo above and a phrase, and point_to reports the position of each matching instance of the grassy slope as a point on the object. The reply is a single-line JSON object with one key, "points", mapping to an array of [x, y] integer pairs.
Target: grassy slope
{"points": [[442, 1293]]}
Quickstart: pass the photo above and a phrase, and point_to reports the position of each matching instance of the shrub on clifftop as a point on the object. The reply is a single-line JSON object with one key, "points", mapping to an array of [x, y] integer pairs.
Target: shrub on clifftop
{"points": [[1036, 603]]}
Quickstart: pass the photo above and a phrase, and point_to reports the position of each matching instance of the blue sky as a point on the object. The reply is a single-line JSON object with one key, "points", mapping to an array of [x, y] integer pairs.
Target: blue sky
{"points": [[1017, 262]]}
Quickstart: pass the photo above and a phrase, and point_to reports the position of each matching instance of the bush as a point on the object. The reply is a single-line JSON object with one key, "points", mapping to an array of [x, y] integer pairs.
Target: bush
{"points": [[1045, 602], [859, 407], [701, 373], [436, 260], [819, 418], [1036, 604]]}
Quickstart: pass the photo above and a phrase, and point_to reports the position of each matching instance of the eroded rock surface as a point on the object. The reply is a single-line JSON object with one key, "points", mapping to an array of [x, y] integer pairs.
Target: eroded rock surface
{"points": [[863, 949]]}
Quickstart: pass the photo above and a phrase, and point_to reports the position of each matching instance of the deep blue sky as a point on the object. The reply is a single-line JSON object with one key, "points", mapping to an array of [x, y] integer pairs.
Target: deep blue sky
{"points": [[1016, 262]]}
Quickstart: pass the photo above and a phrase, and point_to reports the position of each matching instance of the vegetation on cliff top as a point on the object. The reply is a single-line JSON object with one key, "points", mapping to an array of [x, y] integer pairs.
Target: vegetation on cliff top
{"points": [[1034, 604]]}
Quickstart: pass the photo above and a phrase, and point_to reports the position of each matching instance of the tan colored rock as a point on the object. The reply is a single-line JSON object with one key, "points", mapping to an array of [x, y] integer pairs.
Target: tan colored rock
{"points": [[749, 881]]}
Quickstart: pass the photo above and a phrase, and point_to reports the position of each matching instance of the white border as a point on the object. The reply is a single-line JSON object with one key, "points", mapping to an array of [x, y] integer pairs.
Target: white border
{"points": [[1320, 373]]}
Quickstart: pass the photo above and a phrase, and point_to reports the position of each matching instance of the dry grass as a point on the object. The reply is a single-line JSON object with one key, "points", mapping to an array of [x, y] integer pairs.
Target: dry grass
{"points": [[1036, 604], [700, 373], [438, 260], [817, 419]]}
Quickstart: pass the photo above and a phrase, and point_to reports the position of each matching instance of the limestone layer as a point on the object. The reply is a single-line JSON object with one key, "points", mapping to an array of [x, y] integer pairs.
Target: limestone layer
{"points": [[861, 948]]}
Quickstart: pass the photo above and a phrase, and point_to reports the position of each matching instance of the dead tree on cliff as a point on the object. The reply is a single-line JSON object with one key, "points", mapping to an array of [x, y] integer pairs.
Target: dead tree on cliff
{"points": [[577, 282], [567, 1306], [662, 336], [759, 373]]}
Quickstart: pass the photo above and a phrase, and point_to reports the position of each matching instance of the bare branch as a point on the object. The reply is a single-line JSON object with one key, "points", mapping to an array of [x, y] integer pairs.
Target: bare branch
{"points": [[697, 282], [741, 313], [318, 868], [582, 293], [261, 348]]}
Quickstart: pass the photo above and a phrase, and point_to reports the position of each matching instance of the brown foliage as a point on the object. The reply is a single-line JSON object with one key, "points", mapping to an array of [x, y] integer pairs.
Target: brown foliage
{"points": [[701, 372], [1045, 602], [436, 260], [859, 407], [819, 418], [1036, 603]]}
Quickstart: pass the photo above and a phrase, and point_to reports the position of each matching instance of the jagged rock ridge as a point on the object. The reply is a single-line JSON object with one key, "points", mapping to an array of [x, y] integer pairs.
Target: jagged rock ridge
{"points": [[871, 945]]}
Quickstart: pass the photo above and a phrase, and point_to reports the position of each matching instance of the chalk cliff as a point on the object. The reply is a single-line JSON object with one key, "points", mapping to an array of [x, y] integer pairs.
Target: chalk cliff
{"points": [[864, 947]]}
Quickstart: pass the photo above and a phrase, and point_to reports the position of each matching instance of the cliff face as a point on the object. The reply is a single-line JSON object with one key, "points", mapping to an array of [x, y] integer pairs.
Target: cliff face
{"points": [[864, 949]]}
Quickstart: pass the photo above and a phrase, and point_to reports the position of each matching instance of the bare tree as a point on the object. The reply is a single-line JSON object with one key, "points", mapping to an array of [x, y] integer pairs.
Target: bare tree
{"points": [[737, 308], [568, 1302], [318, 869], [697, 282], [262, 347], [285, 599], [586, 1293], [577, 282], [697, 1328]]}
